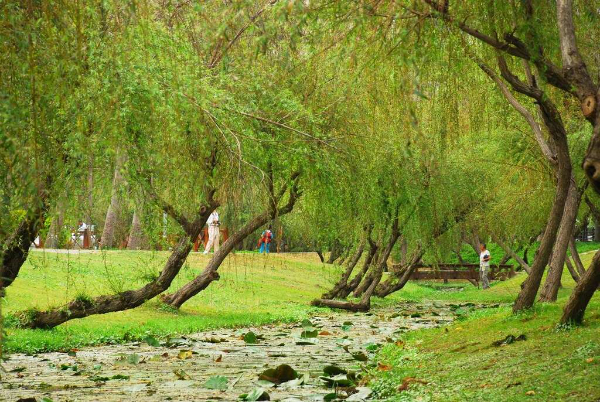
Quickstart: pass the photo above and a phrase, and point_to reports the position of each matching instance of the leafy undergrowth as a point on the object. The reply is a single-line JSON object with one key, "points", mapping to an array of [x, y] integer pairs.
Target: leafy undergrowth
{"points": [[463, 362], [253, 290]]}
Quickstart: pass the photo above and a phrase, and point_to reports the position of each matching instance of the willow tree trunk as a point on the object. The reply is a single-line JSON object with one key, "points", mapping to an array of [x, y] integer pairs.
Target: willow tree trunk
{"points": [[320, 254], [375, 277], [576, 258], [354, 282], [343, 282], [514, 255], [336, 252], [80, 308], [531, 285], [549, 291], [345, 254], [367, 280], [15, 249], [365, 302], [582, 294], [572, 270], [401, 278], [108, 233], [210, 274], [135, 233]]}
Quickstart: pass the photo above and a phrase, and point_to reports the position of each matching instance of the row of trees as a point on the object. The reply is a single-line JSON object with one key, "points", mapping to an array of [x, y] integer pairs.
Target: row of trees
{"points": [[376, 129], [513, 38]]}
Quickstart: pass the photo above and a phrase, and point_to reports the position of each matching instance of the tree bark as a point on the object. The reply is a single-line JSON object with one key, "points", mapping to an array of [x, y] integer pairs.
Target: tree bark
{"points": [[80, 308], [16, 248], [576, 259], [336, 252], [376, 271], [514, 255], [571, 269], [135, 234], [556, 129], [531, 285], [108, 233], [353, 284], [320, 254], [365, 302], [343, 282], [344, 255], [400, 279], [582, 294], [549, 291]]}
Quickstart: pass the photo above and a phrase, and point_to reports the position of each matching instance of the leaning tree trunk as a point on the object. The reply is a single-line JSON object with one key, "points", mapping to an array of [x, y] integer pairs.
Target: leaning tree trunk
{"points": [[108, 233], [320, 254], [375, 277], [15, 249], [210, 274], [549, 291], [343, 282], [135, 234], [514, 255], [582, 294], [80, 308], [367, 280], [531, 285], [353, 284], [345, 254], [571, 269], [336, 252], [400, 279], [576, 258], [365, 302]]}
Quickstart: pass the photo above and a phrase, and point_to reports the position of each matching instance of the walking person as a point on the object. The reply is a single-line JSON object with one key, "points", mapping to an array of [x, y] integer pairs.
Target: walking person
{"points": [[484, 266], [265, 241], [213, 232]]}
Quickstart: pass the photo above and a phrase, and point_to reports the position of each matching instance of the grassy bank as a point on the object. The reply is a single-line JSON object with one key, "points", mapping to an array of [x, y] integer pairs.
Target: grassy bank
{"points": [[253, 289], [460, 362]]}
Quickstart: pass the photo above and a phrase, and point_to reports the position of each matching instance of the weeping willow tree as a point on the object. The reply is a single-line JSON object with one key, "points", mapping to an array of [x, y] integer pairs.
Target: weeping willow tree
{"points": [[193, 117]]}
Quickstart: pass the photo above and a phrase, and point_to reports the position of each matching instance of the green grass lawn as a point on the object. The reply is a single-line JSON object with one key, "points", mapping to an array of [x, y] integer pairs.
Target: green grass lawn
{"points": [[253, 289], [459, 362]]}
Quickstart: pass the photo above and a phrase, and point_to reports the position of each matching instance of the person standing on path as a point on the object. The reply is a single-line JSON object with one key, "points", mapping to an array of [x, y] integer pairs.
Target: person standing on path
{"points": [[213, 232], [484, 266], [265, 241]]}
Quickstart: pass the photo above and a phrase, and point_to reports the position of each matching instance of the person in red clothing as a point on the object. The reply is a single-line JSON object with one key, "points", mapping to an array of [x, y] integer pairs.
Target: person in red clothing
{"points": [[265, 241]]}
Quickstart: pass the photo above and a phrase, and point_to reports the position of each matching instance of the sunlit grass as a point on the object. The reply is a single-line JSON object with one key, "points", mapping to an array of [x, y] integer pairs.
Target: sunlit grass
{"points": [[459, 362], [253, 289]]}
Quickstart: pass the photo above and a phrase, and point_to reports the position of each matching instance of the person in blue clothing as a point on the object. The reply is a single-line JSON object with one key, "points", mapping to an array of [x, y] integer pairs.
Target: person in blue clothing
{"points": [[265, 241]]}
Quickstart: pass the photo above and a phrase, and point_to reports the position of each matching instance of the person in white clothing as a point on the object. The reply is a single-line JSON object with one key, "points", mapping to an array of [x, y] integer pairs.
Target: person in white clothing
{"points": [[213, 232], [484, 266]]}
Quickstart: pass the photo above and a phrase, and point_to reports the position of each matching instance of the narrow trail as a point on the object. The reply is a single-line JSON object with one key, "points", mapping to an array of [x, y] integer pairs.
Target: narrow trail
{"points": [[178, 369]]}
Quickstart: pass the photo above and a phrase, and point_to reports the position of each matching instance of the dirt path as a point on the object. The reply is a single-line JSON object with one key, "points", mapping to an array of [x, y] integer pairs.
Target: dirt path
{"points": [[179, 370]]}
